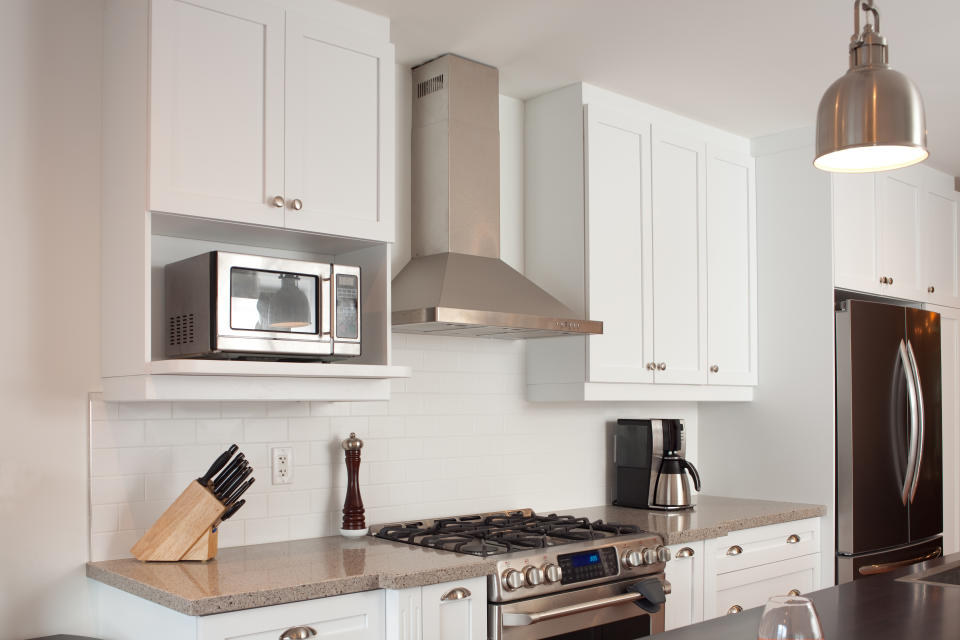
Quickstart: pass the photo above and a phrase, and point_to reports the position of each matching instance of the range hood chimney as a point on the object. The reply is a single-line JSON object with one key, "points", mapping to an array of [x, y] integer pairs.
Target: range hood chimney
{"points": [[456, 284]]}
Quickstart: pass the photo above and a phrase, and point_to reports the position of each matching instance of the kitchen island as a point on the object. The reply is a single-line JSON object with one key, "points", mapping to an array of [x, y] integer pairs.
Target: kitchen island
{"points": [[883, 607]]}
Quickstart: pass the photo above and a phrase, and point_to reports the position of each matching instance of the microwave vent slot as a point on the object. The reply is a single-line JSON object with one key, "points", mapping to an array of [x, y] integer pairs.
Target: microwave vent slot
{"points": [[182, 329], [430, 85]]}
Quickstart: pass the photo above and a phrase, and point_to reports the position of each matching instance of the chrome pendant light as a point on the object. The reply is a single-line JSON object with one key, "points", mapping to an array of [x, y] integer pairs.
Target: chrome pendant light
{"points": [[871, 118]]}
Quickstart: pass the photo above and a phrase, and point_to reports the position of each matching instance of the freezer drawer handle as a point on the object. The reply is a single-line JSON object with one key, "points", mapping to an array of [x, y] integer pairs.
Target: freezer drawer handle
{"points": [[735, 550], [886, 567], [525, 619]]}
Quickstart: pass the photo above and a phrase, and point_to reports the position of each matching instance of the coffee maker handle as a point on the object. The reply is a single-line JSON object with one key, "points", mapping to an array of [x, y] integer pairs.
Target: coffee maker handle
{"points": [[694, 473]]}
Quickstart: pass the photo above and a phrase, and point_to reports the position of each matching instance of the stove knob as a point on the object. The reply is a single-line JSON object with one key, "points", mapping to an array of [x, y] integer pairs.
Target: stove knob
{"points": [[552, 572], [663, 554], [533, 575], [649, 556], [632, 558], [512, 579]]}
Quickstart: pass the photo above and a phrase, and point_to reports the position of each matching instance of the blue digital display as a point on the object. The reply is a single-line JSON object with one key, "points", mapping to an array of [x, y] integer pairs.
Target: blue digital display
{"points": [[585, 559]]}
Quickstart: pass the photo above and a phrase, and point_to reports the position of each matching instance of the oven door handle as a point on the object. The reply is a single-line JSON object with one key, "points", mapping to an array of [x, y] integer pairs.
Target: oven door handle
{"points": [[525, 619]]}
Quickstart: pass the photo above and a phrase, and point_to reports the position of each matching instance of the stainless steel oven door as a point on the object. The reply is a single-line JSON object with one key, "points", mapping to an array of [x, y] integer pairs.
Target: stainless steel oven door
{"points": [[606, 611]]}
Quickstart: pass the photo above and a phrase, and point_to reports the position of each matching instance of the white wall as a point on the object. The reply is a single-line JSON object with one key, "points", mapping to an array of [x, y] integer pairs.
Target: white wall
{"points": [[781, 445], [49, 254]]}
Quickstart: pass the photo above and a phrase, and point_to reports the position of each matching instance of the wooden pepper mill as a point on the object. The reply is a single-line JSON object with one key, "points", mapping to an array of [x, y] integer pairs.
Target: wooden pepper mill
{"points": [[354, 524]]}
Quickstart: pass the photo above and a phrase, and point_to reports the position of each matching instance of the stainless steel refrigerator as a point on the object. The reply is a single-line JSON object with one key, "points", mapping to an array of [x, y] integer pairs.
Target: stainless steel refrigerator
{"points": [[889, 451]]}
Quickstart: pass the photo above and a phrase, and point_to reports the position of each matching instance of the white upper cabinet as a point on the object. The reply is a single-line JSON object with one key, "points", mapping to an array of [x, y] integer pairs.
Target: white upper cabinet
{"points": [[896, 234], [620, 239], [645, 221], [264, 116], [216, 109], [731, 268]]}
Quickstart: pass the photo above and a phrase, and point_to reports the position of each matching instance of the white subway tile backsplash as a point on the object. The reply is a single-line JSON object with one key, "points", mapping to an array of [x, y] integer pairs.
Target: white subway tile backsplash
{"points": [[455, 438]]}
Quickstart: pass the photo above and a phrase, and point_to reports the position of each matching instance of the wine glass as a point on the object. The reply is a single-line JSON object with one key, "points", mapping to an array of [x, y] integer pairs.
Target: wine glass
{"points": [[789, 618]]}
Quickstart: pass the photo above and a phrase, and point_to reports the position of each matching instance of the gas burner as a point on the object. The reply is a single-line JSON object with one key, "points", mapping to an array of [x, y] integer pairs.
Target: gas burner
{"points": [[502, 532]]}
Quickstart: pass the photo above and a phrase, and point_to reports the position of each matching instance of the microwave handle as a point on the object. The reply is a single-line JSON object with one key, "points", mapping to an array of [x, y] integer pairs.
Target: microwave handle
{"points": [[327, 304]]}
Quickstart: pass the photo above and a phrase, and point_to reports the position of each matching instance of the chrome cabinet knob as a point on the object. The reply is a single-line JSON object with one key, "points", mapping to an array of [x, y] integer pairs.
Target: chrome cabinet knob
{"points": [[883, 279], [296, 204], [889, 280], [930, 289], [298, 633], [533, 575], [662, 366], [512, 579], [649, 556], [663, 554], [632, 558], [793, 592], [277, 201], [714, 368], [552, 572], [651, 366], [734, 609]]}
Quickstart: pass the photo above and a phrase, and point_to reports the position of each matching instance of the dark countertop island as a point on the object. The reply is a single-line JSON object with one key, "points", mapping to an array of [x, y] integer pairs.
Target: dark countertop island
{"points": [[877, 608]]}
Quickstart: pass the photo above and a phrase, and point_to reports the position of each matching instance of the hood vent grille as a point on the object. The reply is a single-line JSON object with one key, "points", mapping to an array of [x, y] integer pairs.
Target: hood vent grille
{"points": [[430, 85]]}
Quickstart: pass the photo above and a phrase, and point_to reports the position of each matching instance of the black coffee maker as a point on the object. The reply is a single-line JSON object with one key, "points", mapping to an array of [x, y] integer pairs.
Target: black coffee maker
{"points": [[651, 468]]}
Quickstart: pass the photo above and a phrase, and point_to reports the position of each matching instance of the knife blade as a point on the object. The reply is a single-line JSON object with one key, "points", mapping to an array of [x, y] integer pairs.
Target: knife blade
{"points": [[231, 486], [239, 492], [227, 471], [218, 464], [232, 510]]}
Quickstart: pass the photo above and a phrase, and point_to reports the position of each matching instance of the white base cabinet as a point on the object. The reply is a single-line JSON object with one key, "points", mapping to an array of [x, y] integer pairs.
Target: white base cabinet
{"points": [[685, 575], [438, 611]]}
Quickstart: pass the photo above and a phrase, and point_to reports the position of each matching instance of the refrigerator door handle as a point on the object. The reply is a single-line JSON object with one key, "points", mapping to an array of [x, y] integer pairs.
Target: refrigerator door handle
{"points": [[914, 424], [921, 421]]}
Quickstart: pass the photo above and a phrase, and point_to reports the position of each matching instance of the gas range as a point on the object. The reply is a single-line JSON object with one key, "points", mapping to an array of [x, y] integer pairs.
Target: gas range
{"points": [[540, 554]]}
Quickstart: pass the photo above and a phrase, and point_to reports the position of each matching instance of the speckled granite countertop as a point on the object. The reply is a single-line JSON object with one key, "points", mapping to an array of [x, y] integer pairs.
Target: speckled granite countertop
{"points": [[269, 574]]}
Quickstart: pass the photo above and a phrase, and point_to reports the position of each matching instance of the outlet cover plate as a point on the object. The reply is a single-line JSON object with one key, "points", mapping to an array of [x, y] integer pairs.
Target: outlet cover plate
{"points": [[281, 465]]}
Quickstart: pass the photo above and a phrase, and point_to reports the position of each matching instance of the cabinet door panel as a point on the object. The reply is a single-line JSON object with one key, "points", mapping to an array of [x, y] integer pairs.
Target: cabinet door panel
{"points": [[855, 231], [619, 287], [685, 574], [464, 618], [938, 243], [216, 101], [679, 243], [334, 133], [731, 269], [898, 220]]}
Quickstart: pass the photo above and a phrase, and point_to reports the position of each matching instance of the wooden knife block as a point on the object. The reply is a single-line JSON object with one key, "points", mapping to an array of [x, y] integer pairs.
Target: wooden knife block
{"points": [[185, 531]]}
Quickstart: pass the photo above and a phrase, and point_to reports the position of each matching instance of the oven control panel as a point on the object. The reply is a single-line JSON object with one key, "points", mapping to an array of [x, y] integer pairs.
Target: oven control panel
{"points": [[588, 565]]}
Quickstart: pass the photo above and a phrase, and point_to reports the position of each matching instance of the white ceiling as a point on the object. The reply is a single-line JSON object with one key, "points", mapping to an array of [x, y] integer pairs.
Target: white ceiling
{"points": [[749, 66]]}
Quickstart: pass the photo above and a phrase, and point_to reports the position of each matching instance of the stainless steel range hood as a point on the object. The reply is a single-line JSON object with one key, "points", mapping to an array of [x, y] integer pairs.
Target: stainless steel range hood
{"points": [[456, 283]]}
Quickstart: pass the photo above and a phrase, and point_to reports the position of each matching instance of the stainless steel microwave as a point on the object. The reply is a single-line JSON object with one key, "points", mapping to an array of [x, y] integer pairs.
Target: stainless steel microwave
{"points": [[231, 305]]}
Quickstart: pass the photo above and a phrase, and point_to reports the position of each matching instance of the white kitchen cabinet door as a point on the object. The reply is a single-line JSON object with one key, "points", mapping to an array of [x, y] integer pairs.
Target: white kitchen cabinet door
{"points": [[731, 269], [950, 414], [455, 610], [938, 242], [619, 239], [855, 260], [216, 109], [685, 574], [679, 249], [339, 130], [898, 220], [356, 616]]}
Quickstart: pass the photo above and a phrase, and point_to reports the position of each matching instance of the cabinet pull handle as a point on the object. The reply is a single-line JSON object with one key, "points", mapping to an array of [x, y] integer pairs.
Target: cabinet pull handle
{"points": [[793, 539], [930, 289], [889, 280], [277, 201], [458, 593], [296, 204], [734, 609], [883, 279], [686, 552], [793, 592], [714, 368], [662, 366], [735, 550], [298, 633], [651, 366]]}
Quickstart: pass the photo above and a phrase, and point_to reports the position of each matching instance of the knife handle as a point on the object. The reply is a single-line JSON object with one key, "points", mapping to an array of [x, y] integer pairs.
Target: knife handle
{"points": [[232, 510], [218, 464], [239, 492], [231, 486], [227, 473]]}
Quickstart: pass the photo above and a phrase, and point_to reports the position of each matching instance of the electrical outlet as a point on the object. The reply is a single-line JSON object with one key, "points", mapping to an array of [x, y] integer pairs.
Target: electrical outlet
{"points": [[282, 465]]}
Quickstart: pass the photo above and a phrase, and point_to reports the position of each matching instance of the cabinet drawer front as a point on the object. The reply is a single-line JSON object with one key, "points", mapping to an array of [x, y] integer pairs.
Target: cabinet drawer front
{"points": [[356, 616], [753, 547], [752, 587]]}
